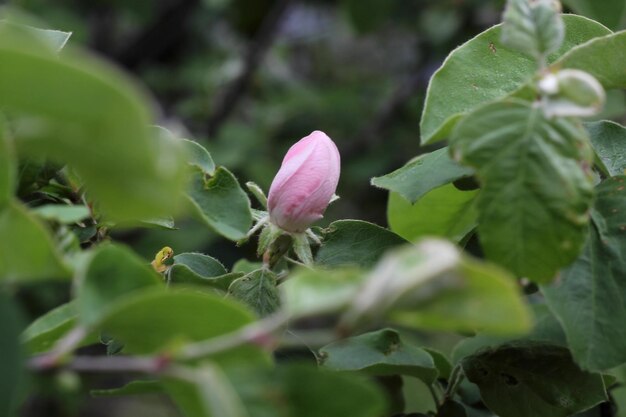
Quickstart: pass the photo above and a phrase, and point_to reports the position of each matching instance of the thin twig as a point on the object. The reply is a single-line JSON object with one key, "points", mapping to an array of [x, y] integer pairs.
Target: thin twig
{"points": [[252, 60]]}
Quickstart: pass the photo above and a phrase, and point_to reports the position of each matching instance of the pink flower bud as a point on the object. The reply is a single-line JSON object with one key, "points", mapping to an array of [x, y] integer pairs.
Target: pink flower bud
{"points": [[305, 183]]}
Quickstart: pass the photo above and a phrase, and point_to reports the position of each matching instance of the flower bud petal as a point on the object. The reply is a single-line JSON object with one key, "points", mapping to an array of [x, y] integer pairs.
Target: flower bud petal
{"points": [[305, 183]]}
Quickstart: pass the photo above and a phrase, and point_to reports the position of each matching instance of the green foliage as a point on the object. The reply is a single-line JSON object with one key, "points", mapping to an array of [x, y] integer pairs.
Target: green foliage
{"points": [[382, 352], [139, 182], [221, 203], [483, 70], [12, 372], [258, 290], [309, 292], [533, 206], [82, 164], [589, 297], [611, 13], [43, 333], [467, 299], [111, 274], [176, 317], [422, 175], [534, 28], [62, 213], [355, 242], [7, 166], [27, 251], [445, 212], [199, 157], [519, 380], [601, 58], [609, 141]]}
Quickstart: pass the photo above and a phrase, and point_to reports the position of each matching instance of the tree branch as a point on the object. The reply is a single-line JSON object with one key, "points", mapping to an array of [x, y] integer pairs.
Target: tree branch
{"points": [[252, 60]]}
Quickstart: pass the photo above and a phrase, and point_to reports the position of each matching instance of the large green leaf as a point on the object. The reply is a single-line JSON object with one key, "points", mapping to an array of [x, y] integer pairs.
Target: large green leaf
{"points": [[601, 57], [423, 174], [546, 329], [481, 298], [258, 290], [221, 203], [12, 371], [483, 70], [111, 273], [355, 242], [88, 115], [609, 141], [445, 212], [320, 291], [608, 12], [533, 380], [430, 285], [155, 321], [382, 352], [536, 185], [306, 391], [535, 28], [27, 251], [7, 166], [589, 297], [41, 334]]}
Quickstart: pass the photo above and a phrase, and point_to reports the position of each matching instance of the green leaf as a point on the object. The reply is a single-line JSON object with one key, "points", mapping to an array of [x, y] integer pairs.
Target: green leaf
{"points": [[170, 318], [536, 185], [197, 264], [589, 297], [62, 213], [430, 285], [608, 12], [8, 168], [523, 380], [422, 175], [111, 274], [306, 391], [601, 57], [132, 388], [257, 290], [27, 251], [198, 156], [319, 291], [202, 270], [221, 203], [355, 242], [609, 141], [483, 70], [382, 352], [445, 212], [442, 363], [534, 28], [481, 297], [166, 223], [12, 366], [44, 332], [55, 38], [206, 392], [245, 266], [130, 174], [546, 329]]}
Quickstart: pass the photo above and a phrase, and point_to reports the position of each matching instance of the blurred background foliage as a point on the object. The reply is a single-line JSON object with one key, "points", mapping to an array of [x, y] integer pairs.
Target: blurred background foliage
{"points": [[247, 78]]}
